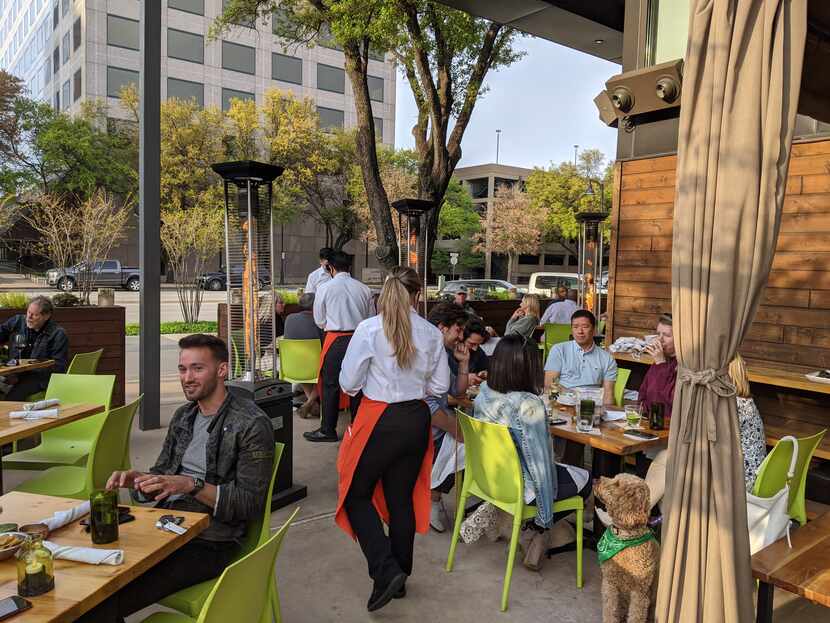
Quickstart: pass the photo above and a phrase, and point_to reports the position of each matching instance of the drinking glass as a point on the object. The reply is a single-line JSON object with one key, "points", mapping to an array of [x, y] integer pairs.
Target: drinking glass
{"points": [[19, 343], [585, 416], [633, 414], [103, 524]]}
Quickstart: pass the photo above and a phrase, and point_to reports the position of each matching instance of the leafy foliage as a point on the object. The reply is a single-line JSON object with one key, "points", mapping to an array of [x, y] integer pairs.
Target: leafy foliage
{"points": [[170, 328], [13, 300], [65, 299], [460, 221], [515, 225]]}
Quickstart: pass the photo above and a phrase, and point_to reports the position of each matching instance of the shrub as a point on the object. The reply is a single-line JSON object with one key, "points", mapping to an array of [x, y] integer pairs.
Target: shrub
{"points": [[13, 300], [289, 297], [65, 299], [168, 328]]}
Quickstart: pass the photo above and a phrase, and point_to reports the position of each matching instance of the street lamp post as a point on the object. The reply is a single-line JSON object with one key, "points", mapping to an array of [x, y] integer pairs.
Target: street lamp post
{"points": [[498, 136]]}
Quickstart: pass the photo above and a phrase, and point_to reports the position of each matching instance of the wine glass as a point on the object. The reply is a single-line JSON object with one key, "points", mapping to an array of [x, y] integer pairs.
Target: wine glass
{"points": [[19, 343]]}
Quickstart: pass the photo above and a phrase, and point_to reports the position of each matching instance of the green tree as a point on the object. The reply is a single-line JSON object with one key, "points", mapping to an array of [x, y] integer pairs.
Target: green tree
{"points": [[445, 55], [460, 221], [516, 225]]}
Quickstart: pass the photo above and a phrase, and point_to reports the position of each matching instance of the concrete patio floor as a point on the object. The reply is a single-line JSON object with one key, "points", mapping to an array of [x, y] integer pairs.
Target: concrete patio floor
{"points": [[322, 574]]}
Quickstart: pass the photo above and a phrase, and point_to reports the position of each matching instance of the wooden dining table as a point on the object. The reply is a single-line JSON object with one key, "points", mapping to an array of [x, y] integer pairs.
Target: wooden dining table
{"points": [[26, 365], [12, 429], [78, 586]]}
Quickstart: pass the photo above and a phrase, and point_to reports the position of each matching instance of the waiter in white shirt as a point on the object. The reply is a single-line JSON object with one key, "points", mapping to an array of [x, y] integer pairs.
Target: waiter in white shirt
{"points": [[321, 275], [560, 312], [396, 359], [339, 306]]}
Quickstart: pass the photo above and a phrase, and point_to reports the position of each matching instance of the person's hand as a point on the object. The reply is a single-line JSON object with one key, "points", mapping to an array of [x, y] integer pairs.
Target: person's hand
{"points": [[123, 479], [461, 353], [655, 349], [474, 379], [519, 313], [491, 331], [163, 486]]}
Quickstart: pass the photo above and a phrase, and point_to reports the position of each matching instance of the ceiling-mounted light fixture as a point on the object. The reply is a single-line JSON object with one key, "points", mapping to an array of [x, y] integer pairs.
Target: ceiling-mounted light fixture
{"points": [[599, 41]]}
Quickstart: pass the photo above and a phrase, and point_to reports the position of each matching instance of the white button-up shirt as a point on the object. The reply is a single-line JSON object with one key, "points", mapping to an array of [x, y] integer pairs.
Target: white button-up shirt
{"points": [[342, 303], [370, 363], [316, 278], [559, 312]]}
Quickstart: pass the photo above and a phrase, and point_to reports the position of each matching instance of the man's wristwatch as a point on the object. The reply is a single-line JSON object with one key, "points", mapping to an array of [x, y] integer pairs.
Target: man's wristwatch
{"points": [[198, 485]]}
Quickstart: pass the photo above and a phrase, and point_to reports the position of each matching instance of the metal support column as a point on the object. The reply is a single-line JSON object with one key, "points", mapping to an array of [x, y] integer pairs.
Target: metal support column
{"points": [[149, 215]]}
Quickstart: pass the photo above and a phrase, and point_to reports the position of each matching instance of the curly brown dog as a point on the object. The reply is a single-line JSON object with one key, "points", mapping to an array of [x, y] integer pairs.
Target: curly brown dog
{"points": [[629, 554]]}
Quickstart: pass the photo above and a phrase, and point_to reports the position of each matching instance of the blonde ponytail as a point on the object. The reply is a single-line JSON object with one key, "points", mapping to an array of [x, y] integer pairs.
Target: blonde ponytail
{"points": [[737, 372], [393, 305]]}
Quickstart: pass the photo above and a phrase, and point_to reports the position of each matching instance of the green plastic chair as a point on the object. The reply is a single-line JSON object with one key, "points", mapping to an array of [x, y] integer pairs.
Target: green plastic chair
{"points": [[82, 363], [299, 360], [107, 456], [71, 443], [554, 334], [242, 591], [772, 474], [619, 386], [191, 600], [493, 473]]}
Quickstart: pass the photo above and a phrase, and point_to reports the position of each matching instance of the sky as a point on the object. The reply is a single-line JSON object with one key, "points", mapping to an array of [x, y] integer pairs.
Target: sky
{"points": [[543, 105]]}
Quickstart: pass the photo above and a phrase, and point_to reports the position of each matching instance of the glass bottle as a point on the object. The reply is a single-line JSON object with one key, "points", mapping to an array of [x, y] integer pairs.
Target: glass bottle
{"points": [[35, 567]]}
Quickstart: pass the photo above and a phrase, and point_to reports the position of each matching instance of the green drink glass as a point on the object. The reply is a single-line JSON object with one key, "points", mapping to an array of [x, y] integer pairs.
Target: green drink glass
{"points": [[103, 518]]}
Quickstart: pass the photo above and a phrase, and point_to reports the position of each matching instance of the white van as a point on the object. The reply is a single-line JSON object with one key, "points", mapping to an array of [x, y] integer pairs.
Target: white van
{"points": [[545, 284]]}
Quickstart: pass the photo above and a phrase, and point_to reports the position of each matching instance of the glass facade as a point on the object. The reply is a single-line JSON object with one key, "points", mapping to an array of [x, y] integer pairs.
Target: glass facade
{"points": [[668, 30], [186, 90], [185, 46], [378, 122], [117, 78], [76, 34], [231, 94], [122, 32], [286, 68], [330, 118], [65, 50], [331, 78], [65, 95], [375, 88], [237, 57], [76, 86], [190, 6]]}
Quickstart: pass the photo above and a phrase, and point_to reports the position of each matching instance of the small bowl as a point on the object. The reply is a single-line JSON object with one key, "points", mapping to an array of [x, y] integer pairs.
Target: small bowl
{"points": [[11, 550], [36, 530]]}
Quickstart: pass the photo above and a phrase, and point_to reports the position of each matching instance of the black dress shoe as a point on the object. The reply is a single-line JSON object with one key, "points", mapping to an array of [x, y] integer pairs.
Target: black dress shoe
{"points": [[319, 435], [401, 593], [382, 595]]}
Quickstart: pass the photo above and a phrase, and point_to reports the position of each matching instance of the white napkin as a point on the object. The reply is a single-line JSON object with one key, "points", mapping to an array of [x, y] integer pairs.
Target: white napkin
{"points": [[612, 415], [88, 555], [42, 414], [62, 518], [41, 404]]}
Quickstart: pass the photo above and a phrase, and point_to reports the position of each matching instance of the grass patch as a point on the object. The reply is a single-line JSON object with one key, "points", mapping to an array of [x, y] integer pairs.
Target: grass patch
{"points": [[207, 326]]}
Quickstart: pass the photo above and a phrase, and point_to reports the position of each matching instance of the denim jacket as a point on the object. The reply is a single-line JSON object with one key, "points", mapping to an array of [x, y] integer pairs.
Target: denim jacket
{"points": [[524, 415], [240, 458]]}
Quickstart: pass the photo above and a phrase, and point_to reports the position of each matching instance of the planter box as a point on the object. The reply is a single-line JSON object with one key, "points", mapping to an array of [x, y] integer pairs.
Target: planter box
{"points": [[91, 328]]}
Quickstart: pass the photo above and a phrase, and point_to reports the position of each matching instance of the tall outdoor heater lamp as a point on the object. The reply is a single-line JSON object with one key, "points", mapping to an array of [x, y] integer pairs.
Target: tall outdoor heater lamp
{"points": [[590, 254], [410, 212], [251, 316]]}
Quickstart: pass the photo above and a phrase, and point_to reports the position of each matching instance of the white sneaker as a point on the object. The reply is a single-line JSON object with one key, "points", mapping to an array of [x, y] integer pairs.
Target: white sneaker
{"points": [[437, 515]]}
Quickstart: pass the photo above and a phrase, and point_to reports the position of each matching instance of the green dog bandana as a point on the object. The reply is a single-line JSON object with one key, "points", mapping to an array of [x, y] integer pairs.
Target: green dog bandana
{"points": [[610, 544]]}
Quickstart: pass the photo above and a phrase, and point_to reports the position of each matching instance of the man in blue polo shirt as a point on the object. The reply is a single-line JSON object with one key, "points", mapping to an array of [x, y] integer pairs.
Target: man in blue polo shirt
{"points": [[580, 362]]}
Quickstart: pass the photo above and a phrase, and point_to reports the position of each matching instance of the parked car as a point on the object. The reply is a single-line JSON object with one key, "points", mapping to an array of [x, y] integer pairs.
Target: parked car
{"points": [[108, 273], [545, 284], [479, 288], [217, 280]]}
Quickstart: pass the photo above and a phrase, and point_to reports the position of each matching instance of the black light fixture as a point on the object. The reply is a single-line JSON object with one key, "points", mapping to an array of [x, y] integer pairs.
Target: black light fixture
{"points": [[410, 212]]}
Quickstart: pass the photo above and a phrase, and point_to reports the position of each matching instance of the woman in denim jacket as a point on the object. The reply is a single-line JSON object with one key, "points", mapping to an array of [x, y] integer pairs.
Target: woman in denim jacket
{"points": [[509, 397]]}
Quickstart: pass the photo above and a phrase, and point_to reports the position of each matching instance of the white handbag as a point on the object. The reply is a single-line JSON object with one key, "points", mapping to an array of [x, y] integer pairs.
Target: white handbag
{"points": [[768, 518]]}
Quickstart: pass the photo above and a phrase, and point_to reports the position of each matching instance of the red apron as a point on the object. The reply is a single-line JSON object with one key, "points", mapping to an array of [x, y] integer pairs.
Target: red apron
{"points": [[351, 448], [328, 340]]}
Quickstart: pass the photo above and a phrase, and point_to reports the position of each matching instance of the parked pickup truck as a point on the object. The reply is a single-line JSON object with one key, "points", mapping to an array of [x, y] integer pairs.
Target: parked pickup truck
{"points": [[108, 273]]}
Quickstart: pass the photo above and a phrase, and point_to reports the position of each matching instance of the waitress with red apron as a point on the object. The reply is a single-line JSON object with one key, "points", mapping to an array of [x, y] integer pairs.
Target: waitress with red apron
{"points": [[340, 304], [396, 359]]}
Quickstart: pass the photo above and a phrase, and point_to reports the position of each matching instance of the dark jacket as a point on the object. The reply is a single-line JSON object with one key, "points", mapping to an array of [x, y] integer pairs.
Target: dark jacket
{"points": [[240, 458], [48, 343], [301, 326]]}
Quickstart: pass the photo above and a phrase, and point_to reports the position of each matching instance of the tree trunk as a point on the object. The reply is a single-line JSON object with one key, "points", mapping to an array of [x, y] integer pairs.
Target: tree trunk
{"points": [[379, 208], [510, 258]]}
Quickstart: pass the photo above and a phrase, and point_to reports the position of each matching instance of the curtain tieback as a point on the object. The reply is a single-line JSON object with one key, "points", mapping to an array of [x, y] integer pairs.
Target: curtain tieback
{"points": [[717, 382]]}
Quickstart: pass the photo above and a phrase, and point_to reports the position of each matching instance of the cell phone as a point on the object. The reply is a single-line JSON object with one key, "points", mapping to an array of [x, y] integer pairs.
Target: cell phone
{"points": [[122, 518], [556, 421], [633, 432], [12, 605]]}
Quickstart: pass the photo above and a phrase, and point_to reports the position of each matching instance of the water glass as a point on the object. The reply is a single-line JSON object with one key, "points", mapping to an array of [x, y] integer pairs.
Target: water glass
{"points": [[103, 517], [633, 415], [585, 416]]}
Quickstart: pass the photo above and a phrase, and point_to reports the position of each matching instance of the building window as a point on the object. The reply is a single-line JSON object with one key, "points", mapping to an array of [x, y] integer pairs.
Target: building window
{"points": [[65, 51], [186, 91], [326, 39], [552, 259], [573, 260], [529, 259], [76, 34], [197, 7], [65, 101], [286, 68], [479, 188], [375, 88], [378, 129], [232, 94], [500, 182], [280, 21], [65, 4], [56, 16], [57, 100], [237, 57], [47, 71], [56, 59], [76, 86], [185, 46], [122, 32], [330, 118], [117, 78], [331, 78], [247, 23]]}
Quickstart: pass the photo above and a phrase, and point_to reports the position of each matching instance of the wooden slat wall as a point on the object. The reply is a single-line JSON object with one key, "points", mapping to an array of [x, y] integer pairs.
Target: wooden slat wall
{"points": [[91, 328], [793, 322]]}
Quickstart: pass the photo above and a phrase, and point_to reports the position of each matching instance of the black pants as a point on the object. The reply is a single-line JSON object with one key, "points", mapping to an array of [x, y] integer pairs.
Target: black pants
{"points": [[393, 455], [27, 384], [195, 562], [330, 398]]}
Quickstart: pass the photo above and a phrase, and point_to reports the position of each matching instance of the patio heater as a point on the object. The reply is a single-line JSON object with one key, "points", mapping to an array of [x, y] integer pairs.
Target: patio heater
{"points": [[251, 316], [590, 259], [410, 254]]}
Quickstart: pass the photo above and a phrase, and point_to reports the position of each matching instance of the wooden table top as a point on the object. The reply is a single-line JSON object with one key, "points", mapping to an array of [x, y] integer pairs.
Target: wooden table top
{"points": [[776, 427], [791, 377], [78, 586], [804, 569], [14, 429], [611, 437], [26, 365]]}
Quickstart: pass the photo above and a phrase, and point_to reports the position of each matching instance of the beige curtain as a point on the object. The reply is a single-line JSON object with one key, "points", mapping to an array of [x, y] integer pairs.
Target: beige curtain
{"points": [[740, 94]]}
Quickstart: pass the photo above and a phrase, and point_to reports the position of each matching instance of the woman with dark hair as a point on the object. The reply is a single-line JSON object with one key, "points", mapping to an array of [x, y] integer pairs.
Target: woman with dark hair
{"points": [[510, 397]]}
